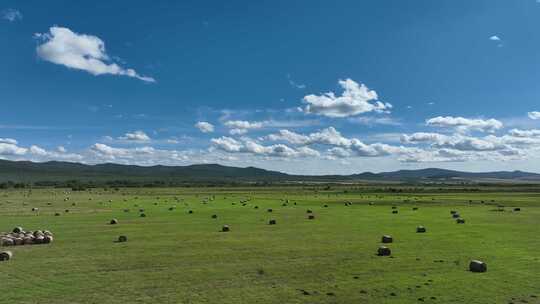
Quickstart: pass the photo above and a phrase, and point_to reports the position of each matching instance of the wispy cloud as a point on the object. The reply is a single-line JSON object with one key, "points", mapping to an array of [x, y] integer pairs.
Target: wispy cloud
{"points": [[11, 15], [82, 52]]}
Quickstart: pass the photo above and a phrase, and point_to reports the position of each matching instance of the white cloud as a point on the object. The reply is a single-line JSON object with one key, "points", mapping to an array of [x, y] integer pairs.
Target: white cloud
{"points": [[356, 99], [465, 124], [534, 115], [38, 150], [239, 127], [82, 52], [11, 15], [204, 127], [249, 146], [7, 149], [494, 38], [135, 136], [524, 133], [8, 141], [61, 149]]}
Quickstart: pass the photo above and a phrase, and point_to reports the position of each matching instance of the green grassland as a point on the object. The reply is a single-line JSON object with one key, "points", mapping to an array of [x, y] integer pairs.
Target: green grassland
{"points": [[181, 257]]}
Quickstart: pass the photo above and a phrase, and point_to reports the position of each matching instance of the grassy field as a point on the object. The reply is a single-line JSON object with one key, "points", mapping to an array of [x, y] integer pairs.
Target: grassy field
{"points": [[181, 257]]}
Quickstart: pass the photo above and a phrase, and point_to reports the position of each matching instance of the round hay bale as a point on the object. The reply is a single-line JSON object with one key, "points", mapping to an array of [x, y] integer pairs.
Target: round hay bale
{"points": [[460, 221], [17, 230], [214, 216], [122, 239], [38, 233], [47, 239], [455, 215], [57, 214], [6, 255], [477, 266], [453, 212], [47, 232], [325, 206], [28, 240], [383, 251], [18, 241], [141, 210], [171, 208], [311, 217], [225, 228], [190, 211], [39, 239], [271, 222], [256, 207], [517, 209], [35, 209], [394, 212], [394, 207], [420, 229], [415, 208], [113, 221], [269, 210], [7, 242], [66, 211], [387, 239], [142, 215], [309, 211]]}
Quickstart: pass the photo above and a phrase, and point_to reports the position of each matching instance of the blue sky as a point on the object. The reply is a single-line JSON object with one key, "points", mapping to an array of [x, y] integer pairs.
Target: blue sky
{"points": [[299, 86]]}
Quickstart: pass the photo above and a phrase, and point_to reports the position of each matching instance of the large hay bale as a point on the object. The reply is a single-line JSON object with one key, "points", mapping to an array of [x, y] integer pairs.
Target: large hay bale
{"points": [[39, 240], [122, 239], [460, 221], [225, 228], [387, 239], [17, 230], [384, 251], [272, 222], [477, 266], [420, 229], [113, 221], [6, 255]]}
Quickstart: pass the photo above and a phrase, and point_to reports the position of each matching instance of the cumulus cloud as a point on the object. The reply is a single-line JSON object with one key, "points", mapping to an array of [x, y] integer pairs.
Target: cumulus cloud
{"points": [[9, 149], [247, 145], [204, 127], [11, 15], [239, 127], [522, 133], [494, 38], [465, 124], [8, 141], [355, 99], [135, 136], [534, 115], [82, 52]]}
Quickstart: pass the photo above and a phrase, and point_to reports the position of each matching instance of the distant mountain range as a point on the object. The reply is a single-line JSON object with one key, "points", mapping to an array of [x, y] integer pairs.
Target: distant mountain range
{"points": [[26, 171]]}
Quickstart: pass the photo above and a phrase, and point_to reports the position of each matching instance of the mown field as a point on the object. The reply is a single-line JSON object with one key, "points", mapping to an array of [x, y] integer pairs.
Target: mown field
{"points": [[173, 256]]}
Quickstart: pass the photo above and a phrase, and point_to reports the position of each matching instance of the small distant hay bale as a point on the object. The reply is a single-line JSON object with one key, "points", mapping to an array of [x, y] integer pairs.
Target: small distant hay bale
{"points": [[394, 212], [269, 210], [17, 230], [141, 210], [284, 204], [272, 222], [47, 239], [7, 242], [214, 216], [190, 211], [66, 211], [6, 255], [415, 208], [460, 221], [453, 212], [387, 239], [225, 228], [113, 221], [455, 215], [126, 210], [394, 207], [517, 209], [171, 208], [420, 229], [371, 203], [309, 211], [256, 207], [122, 239], [383, 251], [311, 217], [325, 206], [477, 266], [57, 214], [142, 215]]}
